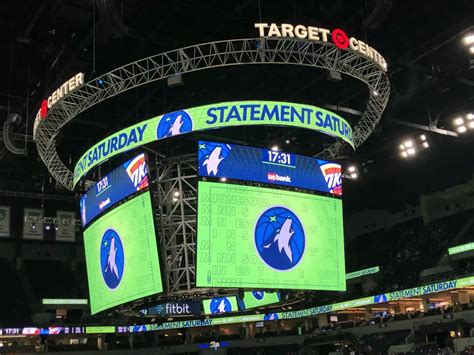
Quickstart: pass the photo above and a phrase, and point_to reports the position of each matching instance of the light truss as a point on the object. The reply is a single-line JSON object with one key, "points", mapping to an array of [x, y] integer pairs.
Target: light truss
{"points": [[176, 206], [212, 55]]}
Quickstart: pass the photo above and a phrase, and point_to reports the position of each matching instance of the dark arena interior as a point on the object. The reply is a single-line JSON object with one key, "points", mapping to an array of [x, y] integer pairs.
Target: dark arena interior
{"points": [[237, 177]]}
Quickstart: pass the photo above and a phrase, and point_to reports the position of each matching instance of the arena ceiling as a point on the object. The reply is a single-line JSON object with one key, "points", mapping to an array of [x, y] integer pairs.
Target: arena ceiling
{"points": [[44, 43]]}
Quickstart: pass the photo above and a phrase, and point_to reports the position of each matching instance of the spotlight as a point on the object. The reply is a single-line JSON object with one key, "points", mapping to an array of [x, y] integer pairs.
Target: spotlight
{"points": [[351, 169], [470, 116], [426, 145], [223, 179], [404, 154], [471, 125], [408, 144], [176, 194], [287, 141], [275, 148], [423, 137], [100, 82], [469, 39], [56, 227], [411, 151], [462, 129], [33, 225], [402, 147], [458, 121], [354, 176], [471, 50], [175, 199], [47, 227], [375, 92]]}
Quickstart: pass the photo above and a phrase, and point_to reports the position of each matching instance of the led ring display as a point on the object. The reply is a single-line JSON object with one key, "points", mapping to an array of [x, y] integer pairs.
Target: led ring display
{"points": [[222, 115], [288, 51]]}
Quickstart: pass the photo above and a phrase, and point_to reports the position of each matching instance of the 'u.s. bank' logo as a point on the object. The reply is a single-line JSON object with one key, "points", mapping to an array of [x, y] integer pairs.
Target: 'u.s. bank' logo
{"points": [[112, 260], [220, 305], [279, 238], [174, 124]]}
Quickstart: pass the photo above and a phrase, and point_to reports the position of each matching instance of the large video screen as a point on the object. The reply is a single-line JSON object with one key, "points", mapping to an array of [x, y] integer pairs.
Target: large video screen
{"points": [[260, 238], [268, 166], [122, 255], [122, 182], [253, 299], [219, 305]]}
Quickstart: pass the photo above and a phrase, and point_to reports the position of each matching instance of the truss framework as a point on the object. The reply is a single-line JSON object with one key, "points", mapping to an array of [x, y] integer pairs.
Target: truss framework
{"points": [[213, 55], [176, 202]]}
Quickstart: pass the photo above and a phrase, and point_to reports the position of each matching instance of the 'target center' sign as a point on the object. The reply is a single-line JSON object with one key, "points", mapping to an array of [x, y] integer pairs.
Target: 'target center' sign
{"points": [[337, 36]]}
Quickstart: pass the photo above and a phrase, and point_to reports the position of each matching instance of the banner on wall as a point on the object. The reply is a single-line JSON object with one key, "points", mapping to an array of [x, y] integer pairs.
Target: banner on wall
{"points": [[33, 229], [4, 221], [65, 226]]}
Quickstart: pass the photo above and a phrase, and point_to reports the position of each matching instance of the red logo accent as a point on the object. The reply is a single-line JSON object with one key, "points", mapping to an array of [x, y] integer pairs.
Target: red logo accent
{"points": [[340, 38], [44, 109], [271, 176]]}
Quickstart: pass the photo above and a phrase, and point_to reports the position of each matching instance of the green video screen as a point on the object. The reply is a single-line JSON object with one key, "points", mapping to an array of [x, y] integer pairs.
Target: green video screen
{"points": [[219, 305], [260, 238], [122, 255], [253, 299]]}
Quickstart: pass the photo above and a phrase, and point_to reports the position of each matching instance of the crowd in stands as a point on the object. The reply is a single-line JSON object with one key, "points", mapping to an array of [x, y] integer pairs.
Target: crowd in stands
{"points": [[406, 250]]}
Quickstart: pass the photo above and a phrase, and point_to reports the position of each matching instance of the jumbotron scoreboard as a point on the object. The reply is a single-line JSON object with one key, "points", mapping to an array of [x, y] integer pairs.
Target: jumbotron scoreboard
{"points": [[263, 237], [251, 237]]}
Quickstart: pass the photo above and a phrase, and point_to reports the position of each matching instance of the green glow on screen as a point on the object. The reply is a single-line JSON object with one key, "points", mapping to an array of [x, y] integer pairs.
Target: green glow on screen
{"points": [[206, 304], [100, 329], [133, 222], [359, 273], [250, 301], [64, 301], [461, 248], [226, 250]]}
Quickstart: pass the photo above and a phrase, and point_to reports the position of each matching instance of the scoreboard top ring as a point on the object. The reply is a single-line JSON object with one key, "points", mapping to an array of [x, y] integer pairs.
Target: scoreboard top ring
{"points": [[214, 116], [307, 47]]}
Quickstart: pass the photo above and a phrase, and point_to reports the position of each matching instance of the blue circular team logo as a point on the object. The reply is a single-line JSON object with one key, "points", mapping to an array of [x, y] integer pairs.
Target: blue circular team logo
{"points": [[270, 316], [382, 298], [280, 238], [174, 124], [220, 305], [112, 259], [258, 294]]}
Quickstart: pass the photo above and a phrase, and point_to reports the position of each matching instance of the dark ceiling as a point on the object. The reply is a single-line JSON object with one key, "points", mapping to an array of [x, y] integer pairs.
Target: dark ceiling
{"points": [[45, 42]]}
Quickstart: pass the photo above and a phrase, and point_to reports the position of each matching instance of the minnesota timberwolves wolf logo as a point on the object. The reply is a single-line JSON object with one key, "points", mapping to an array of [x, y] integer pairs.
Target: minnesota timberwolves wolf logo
{"points": [[174, 124], [258, 294], [279, 238], [270, 316], [220, 305], [83, 210], [111, 258], [210, 157], [380, 298]]}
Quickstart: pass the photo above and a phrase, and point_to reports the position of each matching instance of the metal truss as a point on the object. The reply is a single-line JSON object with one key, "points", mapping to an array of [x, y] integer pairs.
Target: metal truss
{"points": [[212, 55], [176, 206]]}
